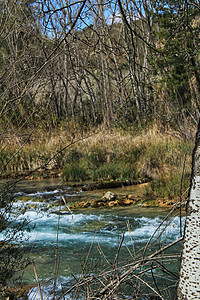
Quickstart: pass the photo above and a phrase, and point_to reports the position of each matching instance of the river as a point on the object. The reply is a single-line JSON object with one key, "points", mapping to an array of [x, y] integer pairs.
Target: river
{"points": [[97, 232]]}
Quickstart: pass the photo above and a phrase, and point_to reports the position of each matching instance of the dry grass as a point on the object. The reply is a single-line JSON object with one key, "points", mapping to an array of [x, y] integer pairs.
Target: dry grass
{"points": [[150, 153]]}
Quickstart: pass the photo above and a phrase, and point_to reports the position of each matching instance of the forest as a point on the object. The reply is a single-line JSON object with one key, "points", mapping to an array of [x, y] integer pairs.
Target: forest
{"points": [[90, 63], [72, 69], [99, 91]]}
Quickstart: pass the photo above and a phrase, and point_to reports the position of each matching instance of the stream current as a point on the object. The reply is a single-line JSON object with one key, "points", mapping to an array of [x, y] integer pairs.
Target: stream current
{"points": [[98, 231]]}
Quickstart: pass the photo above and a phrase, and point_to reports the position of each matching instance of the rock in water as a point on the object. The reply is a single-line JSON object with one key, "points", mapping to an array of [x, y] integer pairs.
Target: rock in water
{"points": [[109, 196]]}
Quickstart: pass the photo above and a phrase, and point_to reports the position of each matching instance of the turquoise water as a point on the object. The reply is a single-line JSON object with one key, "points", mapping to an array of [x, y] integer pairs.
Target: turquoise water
{"points": [[94, 231]]}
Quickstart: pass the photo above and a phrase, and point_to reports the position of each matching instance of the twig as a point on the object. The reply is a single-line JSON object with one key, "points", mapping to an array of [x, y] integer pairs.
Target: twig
{"points": [[38, 283], [148, 285], [118, 250], [102, 253], [132, 267], [129, 230], [56, 255], [154, 280], [137, 265], [84, 266], [129, 251], [166, 217], [67, 208]]}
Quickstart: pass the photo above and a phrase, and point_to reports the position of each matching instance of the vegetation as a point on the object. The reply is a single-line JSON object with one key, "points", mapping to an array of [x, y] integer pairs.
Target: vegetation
{"points": [[117, 155], [111, 68], [69, 71], [99, 91]]}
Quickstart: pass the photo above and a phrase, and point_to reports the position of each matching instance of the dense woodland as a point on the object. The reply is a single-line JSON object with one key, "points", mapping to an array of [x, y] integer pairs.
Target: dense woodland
{"points": [[87, 63]]}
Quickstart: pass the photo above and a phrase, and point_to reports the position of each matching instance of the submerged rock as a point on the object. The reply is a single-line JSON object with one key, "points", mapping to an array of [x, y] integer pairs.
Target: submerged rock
{"points": [[145, 205], [112, 203], [128, 201], [84, 204], [97, 203]]}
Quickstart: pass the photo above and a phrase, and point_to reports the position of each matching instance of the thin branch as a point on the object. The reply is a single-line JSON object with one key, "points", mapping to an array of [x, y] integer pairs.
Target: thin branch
{"points": [[56, 255], [52, 11], [38, 283], [84, 266], [137, 265]]}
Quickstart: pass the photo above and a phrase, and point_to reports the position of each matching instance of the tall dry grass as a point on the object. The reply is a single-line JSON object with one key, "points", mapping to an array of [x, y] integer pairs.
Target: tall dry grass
{"points": [[104, 155]]}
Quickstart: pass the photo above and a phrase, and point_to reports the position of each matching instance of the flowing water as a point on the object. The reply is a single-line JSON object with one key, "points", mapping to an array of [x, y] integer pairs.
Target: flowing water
{"points": [[95, 231]]}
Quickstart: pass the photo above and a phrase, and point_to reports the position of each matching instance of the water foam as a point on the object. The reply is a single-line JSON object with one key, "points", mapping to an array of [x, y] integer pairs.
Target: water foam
{"points": [[79, 228], [170, 229], [44, 193]]}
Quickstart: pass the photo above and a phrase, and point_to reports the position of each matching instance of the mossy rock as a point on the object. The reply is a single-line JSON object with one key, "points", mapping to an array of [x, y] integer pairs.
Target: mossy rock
{"points": [[95, 203], [84, 204], [128, 201], [145, 205], [73, 206]]}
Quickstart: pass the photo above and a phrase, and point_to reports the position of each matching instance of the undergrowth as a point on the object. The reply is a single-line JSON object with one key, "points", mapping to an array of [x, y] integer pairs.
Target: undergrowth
{"points": [[107, 155]]}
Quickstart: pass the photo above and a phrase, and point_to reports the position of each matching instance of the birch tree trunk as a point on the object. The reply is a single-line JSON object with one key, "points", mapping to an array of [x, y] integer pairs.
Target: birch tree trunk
{"points": [[189, 284]]}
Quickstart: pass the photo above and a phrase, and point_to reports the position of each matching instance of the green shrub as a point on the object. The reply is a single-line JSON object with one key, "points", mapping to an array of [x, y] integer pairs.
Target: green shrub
{"points": [[96, 157], [120, 171], [137, 152], [106, 171], [75, 172], [73, 156], [129, 172], [171, 185]]}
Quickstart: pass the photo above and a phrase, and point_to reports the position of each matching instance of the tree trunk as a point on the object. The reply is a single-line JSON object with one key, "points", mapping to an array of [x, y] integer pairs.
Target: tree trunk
{"points": [[189, 284]]}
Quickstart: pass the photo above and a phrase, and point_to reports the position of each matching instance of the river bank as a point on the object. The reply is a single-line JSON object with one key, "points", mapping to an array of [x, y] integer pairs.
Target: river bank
{"points": [[144, 175], [76, 196], [105, 156]]}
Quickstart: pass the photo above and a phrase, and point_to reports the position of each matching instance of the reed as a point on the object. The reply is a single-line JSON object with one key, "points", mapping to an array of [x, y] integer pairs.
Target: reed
{"points": [[108, 155]]}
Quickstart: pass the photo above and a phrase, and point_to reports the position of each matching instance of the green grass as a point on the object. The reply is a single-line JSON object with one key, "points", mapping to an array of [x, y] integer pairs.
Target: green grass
{"points": [[75, 172], [170, 186], [114, 171]]}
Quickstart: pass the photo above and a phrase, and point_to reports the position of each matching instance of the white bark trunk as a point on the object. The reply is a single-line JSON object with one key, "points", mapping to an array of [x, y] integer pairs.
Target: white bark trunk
{"points": [[189, 284]]}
